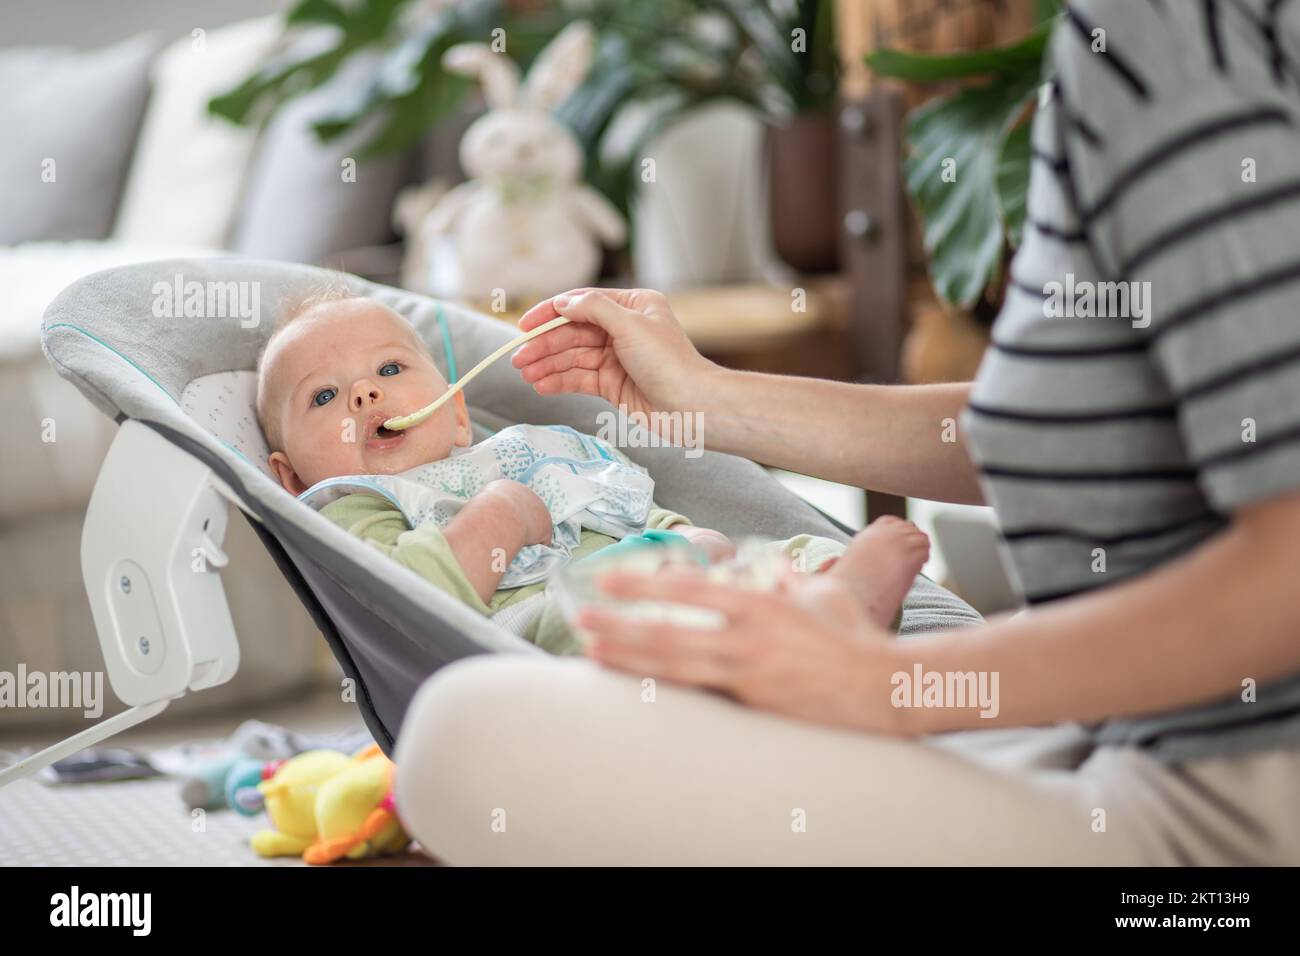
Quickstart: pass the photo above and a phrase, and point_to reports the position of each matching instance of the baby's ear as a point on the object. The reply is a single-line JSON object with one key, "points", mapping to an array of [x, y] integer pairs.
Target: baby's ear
{"points": [[464, 430], [284, 473]]}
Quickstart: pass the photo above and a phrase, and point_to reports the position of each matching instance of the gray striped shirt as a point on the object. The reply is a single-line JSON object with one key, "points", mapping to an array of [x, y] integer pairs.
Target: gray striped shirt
{"points": [[1144, 376]]}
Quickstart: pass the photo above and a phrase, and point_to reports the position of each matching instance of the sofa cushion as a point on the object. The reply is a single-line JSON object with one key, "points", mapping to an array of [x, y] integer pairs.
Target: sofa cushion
{"points": [[298, 204], [71, 120], [188, 172]]}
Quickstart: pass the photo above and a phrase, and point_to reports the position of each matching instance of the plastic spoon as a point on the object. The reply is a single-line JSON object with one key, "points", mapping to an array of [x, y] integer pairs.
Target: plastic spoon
{"points": [[406, 421]]}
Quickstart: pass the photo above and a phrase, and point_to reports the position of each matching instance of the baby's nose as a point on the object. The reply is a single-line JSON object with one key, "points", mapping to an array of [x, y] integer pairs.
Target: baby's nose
{"points": [[363, 392]]}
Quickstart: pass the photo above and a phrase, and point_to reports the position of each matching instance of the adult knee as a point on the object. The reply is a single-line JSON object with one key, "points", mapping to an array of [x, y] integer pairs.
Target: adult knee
{"points": [[459, 751]]}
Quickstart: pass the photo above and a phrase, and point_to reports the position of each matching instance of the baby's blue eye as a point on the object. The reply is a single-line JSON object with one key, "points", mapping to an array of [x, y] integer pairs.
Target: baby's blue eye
{"points": [[326, 395]]}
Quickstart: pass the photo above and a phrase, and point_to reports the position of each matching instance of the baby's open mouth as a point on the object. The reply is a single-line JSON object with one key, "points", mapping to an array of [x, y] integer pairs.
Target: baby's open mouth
{"points": [[378, 433]]}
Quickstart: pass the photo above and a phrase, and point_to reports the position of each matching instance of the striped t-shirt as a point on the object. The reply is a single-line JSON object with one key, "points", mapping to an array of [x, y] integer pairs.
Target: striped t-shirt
{"points": [[1143, 380]]}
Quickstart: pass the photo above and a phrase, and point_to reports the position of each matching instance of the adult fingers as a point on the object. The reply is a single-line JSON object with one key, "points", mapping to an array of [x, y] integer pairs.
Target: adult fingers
{"points": [[558, 341], [688, 655], [665, 639], [545, 310], [581, 381], [594, 306]]}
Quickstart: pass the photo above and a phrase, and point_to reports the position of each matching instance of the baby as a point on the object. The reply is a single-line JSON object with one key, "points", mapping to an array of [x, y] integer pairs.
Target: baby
{"points": [[337, 366]]}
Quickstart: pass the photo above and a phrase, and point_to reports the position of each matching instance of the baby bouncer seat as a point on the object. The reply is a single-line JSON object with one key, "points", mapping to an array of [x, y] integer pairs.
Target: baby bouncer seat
{"points": [[167, 349]]}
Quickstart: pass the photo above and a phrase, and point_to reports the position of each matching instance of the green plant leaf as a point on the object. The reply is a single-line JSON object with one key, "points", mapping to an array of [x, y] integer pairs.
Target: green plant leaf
{"points": [[761, 30], [411, 116], [284, 76], [1013, 181], [976, 136], [1014, 60], [406, 74], [274, 82], [318, 11], [961, 135], [590, 107]]}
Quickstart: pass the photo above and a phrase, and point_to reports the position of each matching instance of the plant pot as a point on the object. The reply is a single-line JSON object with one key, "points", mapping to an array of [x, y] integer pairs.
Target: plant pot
{"points": [[702, 220], [943, 344], [802, 193]]}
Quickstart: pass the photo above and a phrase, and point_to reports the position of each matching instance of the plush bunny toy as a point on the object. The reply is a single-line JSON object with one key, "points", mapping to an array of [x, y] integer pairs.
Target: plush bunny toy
{"points": [[524, 223]]}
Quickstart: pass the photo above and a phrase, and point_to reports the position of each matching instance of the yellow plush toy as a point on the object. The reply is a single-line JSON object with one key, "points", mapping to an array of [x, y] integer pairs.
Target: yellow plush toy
{"points": [[327, 806]]}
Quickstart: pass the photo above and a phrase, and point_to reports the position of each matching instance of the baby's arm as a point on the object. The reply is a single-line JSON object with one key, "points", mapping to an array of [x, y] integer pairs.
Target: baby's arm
{"points": [[492, 527]]}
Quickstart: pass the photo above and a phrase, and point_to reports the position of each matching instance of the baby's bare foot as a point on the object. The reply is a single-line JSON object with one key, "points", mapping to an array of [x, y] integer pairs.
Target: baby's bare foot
{"points": [[880, 564]]}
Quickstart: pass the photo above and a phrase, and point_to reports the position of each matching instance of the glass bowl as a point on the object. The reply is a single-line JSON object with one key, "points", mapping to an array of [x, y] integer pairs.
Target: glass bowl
{"points": [[756, 566]]}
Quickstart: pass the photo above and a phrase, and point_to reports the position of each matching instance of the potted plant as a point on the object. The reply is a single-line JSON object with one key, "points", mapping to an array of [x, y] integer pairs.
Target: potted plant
{"points": [[802, 138], [650, 55], [967, 163], [407, 85]]}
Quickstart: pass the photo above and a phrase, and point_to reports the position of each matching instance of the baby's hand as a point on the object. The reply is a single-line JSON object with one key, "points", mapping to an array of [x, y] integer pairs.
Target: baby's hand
{"points": [[526, 508], [715, 544]]}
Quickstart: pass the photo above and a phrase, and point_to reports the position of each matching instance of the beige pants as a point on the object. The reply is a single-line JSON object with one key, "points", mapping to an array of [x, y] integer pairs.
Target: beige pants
{"points": [[511, 759]]}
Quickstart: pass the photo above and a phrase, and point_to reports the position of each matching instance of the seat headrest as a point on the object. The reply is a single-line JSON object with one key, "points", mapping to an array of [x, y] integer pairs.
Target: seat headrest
{"points": [[224, 403]]}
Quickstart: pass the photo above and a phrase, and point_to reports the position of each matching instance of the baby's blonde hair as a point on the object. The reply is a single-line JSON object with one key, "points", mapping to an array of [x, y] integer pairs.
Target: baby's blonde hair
{"points": [[333, 288]]}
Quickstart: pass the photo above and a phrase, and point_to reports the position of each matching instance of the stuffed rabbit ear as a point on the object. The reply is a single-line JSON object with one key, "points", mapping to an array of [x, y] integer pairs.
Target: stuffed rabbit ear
{"points": [[496, 71], [560, 67]]}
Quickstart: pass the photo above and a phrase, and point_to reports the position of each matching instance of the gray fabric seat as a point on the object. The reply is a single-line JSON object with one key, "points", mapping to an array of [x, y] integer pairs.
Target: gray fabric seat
{"points": [[388, 628]]}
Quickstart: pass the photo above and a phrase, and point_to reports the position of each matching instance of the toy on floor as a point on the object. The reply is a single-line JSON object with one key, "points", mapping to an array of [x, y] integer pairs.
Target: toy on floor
{"points": [[229, 777], [220, 774], [97, 765], [328, 806], [229, 781]]}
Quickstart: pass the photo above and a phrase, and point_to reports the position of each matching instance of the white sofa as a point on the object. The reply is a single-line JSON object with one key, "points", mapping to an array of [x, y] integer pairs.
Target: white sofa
{"points": [[185, 185]]}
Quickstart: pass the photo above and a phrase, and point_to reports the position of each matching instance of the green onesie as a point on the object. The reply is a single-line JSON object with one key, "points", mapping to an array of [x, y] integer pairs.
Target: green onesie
{"points": [[426, 552]]}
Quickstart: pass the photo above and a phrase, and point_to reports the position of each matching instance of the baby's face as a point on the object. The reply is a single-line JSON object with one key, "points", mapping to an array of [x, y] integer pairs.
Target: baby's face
{"points": [[334, 375]]}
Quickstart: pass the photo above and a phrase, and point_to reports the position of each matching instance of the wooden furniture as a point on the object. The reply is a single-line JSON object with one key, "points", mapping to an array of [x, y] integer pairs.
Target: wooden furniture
{"points": [[799, 330], [881, 252]]}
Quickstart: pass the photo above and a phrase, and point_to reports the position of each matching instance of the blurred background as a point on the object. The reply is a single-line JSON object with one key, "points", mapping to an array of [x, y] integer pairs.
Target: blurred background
{"points": [[767, 163]]}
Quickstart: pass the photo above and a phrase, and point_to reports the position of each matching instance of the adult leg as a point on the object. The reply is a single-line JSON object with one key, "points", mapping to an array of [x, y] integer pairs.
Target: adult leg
{"points": [[519, 760]]}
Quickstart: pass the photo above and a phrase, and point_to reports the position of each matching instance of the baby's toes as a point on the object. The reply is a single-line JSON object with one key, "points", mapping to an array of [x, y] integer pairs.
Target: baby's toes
{"points": [[910, 536]]}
